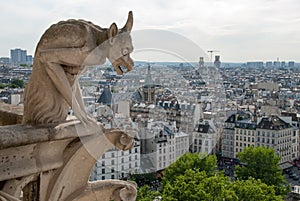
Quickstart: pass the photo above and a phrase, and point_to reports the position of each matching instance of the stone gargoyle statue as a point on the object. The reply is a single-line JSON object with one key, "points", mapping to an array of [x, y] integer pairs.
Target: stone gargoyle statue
{"points": [[64, 51]]}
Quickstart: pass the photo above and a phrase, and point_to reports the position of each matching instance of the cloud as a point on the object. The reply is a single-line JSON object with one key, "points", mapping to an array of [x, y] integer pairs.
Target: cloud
{"points": [[236, 27]]}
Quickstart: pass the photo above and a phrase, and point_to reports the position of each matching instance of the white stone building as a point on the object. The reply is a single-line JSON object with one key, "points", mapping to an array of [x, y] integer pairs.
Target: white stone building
{"points": [[271, 132], [205, 137], [161, 145], [228, 137], [116, 164]]}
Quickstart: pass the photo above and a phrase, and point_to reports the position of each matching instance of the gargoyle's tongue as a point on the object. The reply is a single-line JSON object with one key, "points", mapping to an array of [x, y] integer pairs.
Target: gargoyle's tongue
{"points": [[121, 69]]}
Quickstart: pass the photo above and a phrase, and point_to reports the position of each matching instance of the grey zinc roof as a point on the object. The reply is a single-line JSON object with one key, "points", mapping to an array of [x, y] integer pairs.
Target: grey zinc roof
{"points": [[106, 97], [273, 123]]}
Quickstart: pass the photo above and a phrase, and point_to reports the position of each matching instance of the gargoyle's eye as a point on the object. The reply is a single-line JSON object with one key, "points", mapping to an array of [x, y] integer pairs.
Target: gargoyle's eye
{"points": [[125, 51]]}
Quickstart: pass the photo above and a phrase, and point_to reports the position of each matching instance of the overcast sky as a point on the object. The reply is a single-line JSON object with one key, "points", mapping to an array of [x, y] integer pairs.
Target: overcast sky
{"points": [[241, 30]]}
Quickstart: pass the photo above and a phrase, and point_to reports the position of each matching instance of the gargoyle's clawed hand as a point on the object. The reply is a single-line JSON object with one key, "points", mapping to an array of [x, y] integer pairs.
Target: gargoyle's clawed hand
{"points": [[128, 193], [120, 139]]}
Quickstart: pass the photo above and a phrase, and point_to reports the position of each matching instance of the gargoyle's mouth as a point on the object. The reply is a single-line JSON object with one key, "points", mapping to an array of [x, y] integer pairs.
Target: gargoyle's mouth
{"points": [[121, 69]]}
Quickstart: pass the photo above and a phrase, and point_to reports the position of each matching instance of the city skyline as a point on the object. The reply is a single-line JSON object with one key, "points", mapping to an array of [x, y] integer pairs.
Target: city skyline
{"points": [[240, 30]]}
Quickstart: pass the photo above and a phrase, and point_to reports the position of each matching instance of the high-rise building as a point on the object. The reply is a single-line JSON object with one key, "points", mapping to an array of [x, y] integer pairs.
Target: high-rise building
{"points": [[18, 56], [217, 61], [269, 64], [291, 64], [201, 62], [29, 59], [4, 60], [255, 64]]}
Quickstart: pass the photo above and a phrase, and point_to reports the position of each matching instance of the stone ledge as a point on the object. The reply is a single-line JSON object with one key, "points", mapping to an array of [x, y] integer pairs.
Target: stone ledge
{"points": [[18, 135], [10, 114]]}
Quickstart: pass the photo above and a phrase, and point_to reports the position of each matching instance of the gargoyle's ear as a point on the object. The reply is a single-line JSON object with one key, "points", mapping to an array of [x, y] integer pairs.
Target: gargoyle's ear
{"points": [[112, 32], [129, 23]]}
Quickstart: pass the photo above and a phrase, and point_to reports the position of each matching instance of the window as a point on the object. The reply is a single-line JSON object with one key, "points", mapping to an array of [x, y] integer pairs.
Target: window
{"points": [[103, 177], [112, 170], [112, 162], [237, 137], [103, 171], [112, 155], [135, 157], [112, 176]]}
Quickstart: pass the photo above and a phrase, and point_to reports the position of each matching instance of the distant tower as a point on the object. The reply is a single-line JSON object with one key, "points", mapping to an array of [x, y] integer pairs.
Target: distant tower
{"points": [[217, 61], [148, 90], [201, 62]]}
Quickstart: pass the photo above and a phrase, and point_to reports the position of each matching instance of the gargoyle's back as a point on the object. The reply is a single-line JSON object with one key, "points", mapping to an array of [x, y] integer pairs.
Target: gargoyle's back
{"points": [[64, 34]]}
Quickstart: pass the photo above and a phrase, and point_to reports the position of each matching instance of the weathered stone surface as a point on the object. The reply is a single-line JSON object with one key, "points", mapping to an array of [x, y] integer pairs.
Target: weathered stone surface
{"points": [[55, 161], [48, 158], [64, 51], [10, 114]]}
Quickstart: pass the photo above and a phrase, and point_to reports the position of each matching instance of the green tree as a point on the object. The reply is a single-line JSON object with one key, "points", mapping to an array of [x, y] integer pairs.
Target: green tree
{"points": [[193, 161], [252, 189], [262, 163], [146, 194], [195, 185], [18, 83]]}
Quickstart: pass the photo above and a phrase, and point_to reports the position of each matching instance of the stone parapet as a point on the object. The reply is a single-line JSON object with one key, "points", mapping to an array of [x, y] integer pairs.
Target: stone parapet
{"points": [[10, 114]]}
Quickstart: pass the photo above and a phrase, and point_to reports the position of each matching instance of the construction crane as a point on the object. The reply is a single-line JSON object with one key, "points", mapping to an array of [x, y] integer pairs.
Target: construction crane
{"points": [[211, 52]]}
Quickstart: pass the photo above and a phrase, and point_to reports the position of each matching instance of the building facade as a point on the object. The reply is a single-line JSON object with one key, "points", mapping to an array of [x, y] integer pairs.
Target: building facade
{"points": [[18, 56], [116, 164], [205, 137], [272, 132]]}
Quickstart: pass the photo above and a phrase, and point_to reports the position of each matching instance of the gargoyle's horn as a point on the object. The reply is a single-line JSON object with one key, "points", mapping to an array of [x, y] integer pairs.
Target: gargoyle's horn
{"points": [[129, 23]]}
